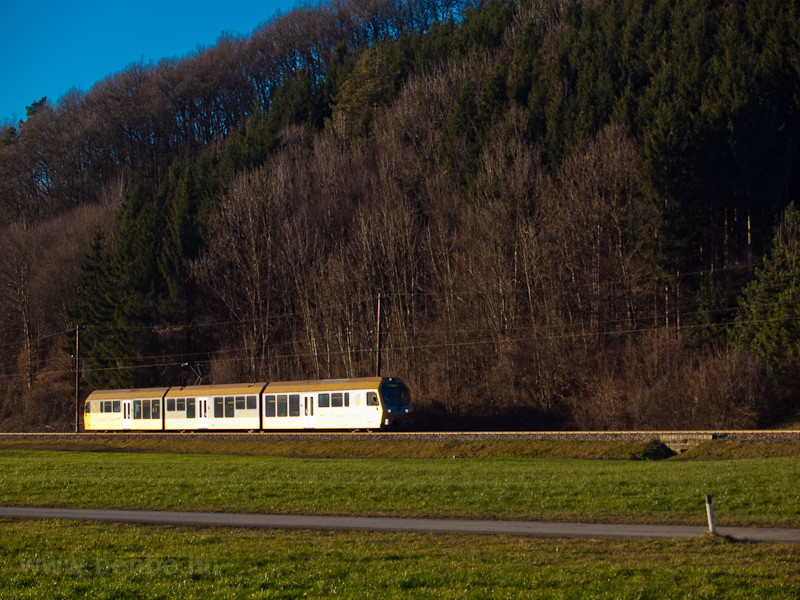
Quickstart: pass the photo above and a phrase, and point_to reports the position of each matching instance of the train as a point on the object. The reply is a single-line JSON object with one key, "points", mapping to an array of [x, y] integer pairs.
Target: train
{"points": [[367, 403]]}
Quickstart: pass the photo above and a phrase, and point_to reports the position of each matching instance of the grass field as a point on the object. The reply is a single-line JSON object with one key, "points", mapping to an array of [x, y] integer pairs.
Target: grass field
{"points": [[746, 492], [62, 559], [110, 561]]}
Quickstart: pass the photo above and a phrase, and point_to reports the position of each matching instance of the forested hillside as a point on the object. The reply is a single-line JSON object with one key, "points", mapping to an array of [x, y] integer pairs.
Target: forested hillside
{"points": [[578, 214]]}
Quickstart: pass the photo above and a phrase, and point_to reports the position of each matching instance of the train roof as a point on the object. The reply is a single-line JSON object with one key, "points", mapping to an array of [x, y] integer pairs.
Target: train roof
{"points": [[128, 394], [216, 389], [311, 385], [325, 385]]}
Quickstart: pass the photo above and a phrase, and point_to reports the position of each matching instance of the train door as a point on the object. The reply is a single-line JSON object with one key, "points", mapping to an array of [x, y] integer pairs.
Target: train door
{"points": [[308, 412], [126, 415], [202, 413]]}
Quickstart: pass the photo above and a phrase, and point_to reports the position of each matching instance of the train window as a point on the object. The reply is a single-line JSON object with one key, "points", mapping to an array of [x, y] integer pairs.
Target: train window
{"points": [[294, 405], [282, 412], [219, 408], [336, 400], [170, 404], [190, 408], [251, 402], [116, 406], [180, 404], [269, 406], [106, 406], [145, 409], [324, 400], [137, 409], [372, 399], [101, 407], [87, 408], [156, 413], [229, 412], [239, 402]]}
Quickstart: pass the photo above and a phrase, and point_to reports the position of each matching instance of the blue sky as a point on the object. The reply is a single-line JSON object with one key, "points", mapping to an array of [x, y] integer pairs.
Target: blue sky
{"points": [[49, 47]]}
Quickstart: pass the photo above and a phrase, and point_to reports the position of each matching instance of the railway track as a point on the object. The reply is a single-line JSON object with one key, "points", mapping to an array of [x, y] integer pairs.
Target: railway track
{"points": [[663, 436]]}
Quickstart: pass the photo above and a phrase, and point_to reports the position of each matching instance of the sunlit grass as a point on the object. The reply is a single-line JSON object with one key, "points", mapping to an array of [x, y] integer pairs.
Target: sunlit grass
{"points": [[745, 492], [65, 559]]}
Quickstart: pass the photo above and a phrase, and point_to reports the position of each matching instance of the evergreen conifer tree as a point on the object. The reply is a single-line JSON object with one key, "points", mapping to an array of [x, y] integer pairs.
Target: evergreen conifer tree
{"points": [[769, 321]]}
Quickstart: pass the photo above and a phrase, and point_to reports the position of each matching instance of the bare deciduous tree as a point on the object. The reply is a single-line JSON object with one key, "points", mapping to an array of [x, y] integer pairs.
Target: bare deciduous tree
{"points": [[236, 267]]}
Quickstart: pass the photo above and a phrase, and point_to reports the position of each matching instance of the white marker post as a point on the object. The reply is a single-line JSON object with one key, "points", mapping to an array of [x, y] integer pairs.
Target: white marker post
{"points": [[712, 528]]}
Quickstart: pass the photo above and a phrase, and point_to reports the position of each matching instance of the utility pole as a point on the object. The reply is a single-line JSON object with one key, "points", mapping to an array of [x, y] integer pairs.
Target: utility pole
{"points": [[378, 345], [77, 375]]}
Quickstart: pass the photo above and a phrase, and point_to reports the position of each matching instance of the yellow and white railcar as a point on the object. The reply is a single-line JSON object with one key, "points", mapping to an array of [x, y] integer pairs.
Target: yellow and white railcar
{"points": [[124, 410], [363, 403], [232, 406]]}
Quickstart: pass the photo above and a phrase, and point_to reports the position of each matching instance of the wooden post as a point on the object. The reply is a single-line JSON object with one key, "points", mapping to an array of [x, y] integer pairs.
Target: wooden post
{"points": [[378, 344], [712, 528], [77, 375]]}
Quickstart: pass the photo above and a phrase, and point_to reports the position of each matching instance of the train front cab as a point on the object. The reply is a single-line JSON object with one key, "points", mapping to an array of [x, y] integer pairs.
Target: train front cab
{"points": [[396, 402], [124, 410]]}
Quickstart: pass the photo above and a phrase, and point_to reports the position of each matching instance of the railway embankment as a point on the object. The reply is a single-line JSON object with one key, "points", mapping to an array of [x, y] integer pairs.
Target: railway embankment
{"points": [[638, 445]]}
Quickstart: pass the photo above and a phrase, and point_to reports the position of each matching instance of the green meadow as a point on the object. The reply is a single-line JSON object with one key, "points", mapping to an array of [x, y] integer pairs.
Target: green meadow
{"points": [[761, 492], [63, 559]]}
